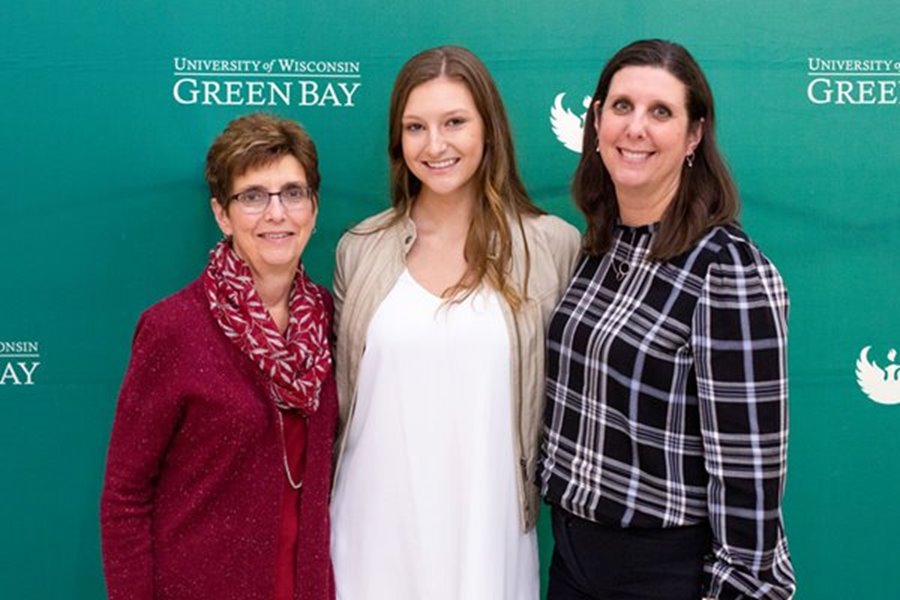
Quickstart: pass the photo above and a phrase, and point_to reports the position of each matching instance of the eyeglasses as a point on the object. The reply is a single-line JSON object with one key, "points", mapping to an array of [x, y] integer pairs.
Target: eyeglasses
{"points": [[256, 200]]}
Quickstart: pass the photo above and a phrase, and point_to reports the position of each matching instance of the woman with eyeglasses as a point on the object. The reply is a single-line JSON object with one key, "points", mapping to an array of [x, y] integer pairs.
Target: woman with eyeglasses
{"points": [[219, 463]]}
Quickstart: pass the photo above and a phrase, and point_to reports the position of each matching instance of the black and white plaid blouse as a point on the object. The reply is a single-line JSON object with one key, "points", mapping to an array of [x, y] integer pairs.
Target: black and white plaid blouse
{"points": [[667, 401]]}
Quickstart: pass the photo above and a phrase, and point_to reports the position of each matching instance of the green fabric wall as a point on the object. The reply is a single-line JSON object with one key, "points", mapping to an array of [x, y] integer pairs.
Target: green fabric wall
{"points": [[103, 211]]}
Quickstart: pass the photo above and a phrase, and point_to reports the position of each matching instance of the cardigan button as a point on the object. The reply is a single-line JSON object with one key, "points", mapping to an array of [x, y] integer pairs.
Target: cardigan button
{"points": [[408, 239]]}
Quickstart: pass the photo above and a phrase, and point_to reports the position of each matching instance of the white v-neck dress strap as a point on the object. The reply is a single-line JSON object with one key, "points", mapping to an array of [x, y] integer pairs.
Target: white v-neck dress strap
{"points": [[425, 505]]}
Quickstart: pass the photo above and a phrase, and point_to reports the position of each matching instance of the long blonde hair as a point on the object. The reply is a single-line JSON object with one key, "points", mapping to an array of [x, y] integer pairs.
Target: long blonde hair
{"points": [[501, 195]]}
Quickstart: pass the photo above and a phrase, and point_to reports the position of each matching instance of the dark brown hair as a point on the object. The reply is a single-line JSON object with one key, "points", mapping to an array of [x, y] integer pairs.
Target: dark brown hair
{"points": [[706, 194], [254, 141], [488, 248]]}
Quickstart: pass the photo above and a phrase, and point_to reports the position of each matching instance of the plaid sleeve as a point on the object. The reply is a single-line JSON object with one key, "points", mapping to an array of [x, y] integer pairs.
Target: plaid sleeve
{"points": [[740, 346]]}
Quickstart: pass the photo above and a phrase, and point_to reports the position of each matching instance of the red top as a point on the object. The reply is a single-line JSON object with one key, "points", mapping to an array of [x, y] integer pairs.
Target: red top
{"points": [[295, 445], [194, 503]]}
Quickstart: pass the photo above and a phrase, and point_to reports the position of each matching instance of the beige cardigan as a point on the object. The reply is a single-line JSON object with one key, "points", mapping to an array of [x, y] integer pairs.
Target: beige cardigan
{"points": [[370, 259]]}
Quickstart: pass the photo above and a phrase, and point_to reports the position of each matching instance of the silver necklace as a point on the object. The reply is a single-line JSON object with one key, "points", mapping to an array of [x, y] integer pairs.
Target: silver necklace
{"points": [[287, 469], [620, 268]]}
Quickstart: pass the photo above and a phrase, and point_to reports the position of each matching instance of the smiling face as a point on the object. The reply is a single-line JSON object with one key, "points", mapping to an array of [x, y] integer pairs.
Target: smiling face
{"points": [[270, 242], [443, 137], [644, 134]]}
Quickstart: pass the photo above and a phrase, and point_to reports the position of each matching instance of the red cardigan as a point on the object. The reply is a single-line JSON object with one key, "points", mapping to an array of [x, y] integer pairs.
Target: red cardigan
{"points": [[192, 501]]}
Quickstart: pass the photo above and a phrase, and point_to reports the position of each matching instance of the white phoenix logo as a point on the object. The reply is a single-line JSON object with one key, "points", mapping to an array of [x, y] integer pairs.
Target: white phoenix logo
{"points": [[568, 127], [881, 385]]}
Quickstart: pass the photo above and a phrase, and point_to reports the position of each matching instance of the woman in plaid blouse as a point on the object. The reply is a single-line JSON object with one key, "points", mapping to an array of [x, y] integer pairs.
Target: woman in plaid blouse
{"points": [[665, 443]]}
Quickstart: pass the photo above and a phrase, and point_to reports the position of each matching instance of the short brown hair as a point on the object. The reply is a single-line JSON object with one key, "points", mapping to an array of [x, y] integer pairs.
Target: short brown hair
{"points": [[706, 194], [502, 194], [254, 141]]}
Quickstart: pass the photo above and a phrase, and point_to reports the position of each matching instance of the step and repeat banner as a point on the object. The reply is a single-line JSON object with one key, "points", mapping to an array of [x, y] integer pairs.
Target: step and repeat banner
{"points": [[108, 110]]}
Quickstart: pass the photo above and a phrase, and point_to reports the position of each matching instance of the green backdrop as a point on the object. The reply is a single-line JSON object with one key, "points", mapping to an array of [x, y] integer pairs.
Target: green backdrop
{"points": [[108, 109]]}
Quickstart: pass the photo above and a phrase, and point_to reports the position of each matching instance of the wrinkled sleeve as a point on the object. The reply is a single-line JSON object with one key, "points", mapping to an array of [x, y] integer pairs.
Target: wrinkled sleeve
{"points": [[146, 418], [571, 251], [567, 246], [740, 352], [339, 284]]}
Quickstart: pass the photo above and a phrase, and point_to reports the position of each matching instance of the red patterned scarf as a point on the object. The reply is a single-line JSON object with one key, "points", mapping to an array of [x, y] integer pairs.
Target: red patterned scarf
{"points": [[295, 363]]}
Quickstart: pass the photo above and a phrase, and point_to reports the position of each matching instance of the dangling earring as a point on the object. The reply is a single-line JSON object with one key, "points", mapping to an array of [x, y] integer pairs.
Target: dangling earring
{"points": [[689, 159], [598, 146]]}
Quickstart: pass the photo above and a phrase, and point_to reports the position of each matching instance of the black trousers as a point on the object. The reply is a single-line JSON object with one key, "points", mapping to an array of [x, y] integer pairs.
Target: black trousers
{"points": [[598, 562]]}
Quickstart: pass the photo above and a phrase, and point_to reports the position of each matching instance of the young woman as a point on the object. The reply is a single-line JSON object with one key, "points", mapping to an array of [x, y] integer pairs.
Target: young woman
{"points": [[442, 304]]}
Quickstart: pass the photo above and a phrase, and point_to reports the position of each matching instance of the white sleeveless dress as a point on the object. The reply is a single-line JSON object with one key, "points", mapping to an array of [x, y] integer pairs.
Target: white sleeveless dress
{"points": [[425, 505]]}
